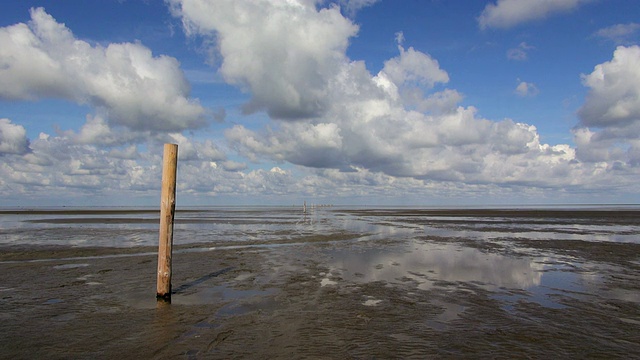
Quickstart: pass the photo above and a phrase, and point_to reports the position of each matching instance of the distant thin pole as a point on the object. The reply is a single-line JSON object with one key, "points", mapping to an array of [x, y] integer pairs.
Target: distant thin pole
{"points": [[167, 211]]}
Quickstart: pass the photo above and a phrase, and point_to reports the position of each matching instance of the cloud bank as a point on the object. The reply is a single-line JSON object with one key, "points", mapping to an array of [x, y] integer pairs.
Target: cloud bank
{"points": [[140, 101], [402, 121], [337, 129]]}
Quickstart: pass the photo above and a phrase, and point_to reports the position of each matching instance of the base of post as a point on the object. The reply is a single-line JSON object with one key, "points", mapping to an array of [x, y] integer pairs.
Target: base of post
{"points": [[164, 297]]}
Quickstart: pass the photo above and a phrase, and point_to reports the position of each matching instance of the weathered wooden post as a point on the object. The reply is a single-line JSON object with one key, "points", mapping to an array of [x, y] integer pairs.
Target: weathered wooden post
{"points": [[167, 211]]}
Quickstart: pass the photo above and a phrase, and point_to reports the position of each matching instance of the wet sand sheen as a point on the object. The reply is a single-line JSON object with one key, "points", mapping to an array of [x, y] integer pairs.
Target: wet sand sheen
{"points": [[384, 291]]}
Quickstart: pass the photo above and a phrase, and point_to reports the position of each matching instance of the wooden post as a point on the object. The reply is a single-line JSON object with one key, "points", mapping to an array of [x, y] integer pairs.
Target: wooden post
{"points": [[167, 211]]}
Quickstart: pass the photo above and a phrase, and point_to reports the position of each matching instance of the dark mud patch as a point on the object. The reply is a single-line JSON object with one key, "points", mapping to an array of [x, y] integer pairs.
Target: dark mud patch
{"points": [[338, 295], [20, 253]]}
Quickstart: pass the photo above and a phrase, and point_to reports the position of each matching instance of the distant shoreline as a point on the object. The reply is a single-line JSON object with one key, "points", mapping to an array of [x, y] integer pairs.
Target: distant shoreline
{"points": [[473, 210]]}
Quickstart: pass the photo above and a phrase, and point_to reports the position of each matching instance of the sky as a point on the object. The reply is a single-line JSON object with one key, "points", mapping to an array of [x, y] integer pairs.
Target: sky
{"points": [[276, 102]]}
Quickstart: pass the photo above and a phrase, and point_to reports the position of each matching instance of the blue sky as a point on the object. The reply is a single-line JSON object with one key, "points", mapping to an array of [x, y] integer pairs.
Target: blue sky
{"points": [[349, 101]]}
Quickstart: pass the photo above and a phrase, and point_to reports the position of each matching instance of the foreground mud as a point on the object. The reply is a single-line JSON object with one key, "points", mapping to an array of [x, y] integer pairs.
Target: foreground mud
{"points": [[350, 294]]}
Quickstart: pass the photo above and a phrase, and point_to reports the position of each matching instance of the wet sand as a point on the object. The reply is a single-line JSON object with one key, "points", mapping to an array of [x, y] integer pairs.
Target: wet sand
{"points": [[346, 294]]}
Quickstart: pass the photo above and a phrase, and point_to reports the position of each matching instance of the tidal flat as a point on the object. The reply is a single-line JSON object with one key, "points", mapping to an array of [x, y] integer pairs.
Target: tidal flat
{"points": [[332, 283]]}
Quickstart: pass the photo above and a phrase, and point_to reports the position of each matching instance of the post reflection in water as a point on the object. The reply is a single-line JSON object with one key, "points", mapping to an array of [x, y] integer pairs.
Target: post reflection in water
{"points": [[164, 326]]}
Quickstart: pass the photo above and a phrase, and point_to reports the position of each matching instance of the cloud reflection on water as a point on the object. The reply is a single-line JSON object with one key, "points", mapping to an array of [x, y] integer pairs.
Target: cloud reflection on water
{"points": [[432, 265]]}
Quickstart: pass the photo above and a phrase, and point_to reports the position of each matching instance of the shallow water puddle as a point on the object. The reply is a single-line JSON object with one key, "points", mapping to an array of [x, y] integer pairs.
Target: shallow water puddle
{"points": [[216, 295], [70, 266], [132, 228], [203, 295], [431, 264], [437, 266], [247, 302], [371, 301], [451, 311], [484, 231]]}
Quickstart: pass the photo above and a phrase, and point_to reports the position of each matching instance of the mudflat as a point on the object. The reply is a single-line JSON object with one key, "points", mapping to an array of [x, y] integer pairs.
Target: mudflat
{"points": [[333, 284]]}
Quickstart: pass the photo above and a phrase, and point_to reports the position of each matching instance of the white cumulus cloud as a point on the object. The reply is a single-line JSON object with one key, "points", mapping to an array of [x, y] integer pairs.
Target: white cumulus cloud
{"points": [[13, 138], [398, 123], [526, 89], [519, 53], [609, 128], [125, 83], [614, 91], [414, 67], [509, 13], [619, 33], [351, 7], [284, 59]]}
